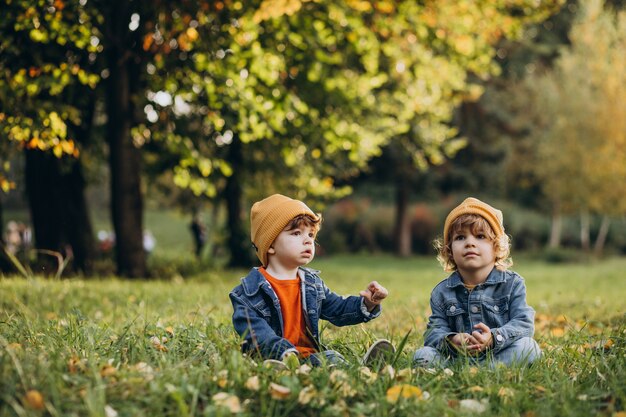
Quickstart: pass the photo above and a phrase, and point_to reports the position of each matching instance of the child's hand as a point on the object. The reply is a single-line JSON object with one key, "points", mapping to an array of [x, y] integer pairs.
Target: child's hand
{"points": [[461, 342], [373, 295], [482, 337]]}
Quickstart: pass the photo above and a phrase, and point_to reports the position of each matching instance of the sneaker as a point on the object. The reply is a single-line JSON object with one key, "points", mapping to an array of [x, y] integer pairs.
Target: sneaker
{"points": [[274, 364], [378, 354]]}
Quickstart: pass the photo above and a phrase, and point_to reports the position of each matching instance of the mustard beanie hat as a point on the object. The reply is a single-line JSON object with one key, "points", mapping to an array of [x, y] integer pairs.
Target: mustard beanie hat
{"points": [[473, 205], [269, 217]]}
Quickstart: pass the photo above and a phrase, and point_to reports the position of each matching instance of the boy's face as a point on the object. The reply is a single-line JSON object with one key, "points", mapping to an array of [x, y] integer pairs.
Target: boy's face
{"points": [[472, 250], [293, 248]]}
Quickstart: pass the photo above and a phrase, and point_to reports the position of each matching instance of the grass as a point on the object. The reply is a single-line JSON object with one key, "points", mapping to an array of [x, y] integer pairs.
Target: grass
{"points": [[109, 347]]}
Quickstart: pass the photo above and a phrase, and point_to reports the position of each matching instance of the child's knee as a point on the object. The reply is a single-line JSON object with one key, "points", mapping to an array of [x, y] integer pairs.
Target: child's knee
{"points": [[523, 351]]}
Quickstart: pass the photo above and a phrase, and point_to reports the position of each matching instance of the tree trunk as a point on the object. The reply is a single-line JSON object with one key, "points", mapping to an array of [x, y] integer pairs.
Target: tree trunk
{"points": [[5, 264], [125, 158], [61, 223], [598, 247], [555, 231], [238, 240], [585, 240], [402, 230]]}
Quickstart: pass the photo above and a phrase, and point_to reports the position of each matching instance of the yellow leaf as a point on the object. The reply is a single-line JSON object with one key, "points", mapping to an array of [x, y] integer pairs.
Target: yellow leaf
{"points": [[464, 44], [506, 394], [403, 391], [33, 399], [253, 383], [107, 370], [57, 151], [192, 34]]}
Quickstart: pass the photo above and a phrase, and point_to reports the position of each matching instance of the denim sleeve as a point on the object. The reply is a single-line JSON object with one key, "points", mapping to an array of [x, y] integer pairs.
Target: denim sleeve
{"points": [[521, 319], [345, 311], [256, 332], [437, 329]]}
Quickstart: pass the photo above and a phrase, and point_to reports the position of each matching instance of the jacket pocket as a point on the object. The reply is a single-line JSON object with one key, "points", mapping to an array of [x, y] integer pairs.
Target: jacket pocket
{"points": [[455, 315], [263, 309], [496, 311]]}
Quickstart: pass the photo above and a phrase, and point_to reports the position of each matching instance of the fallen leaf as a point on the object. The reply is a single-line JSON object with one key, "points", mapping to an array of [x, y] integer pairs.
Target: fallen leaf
{"points": [[307, 394], [253, 383], [506, 394], [304, 369], [474, 406], [222, 378], [110, 411], [107, 370], [404, 374], [33, 399], [367, 375], [229, 401], [403, 391], [279, 392]]}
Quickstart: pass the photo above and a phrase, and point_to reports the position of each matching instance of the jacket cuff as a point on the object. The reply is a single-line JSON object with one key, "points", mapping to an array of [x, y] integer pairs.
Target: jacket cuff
{"points": [[499, 341], [370, 314]]}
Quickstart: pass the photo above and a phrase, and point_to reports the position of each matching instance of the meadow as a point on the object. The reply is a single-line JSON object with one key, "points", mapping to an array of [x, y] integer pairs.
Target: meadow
{"points": [[110, 347]]}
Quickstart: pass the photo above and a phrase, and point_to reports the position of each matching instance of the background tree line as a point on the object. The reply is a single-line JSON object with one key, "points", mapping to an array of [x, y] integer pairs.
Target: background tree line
{"points": [[232, 100]]}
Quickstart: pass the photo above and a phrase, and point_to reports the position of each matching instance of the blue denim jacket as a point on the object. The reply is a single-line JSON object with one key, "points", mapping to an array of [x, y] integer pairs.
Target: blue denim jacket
{"points": [[258, 319], [499, 302]]}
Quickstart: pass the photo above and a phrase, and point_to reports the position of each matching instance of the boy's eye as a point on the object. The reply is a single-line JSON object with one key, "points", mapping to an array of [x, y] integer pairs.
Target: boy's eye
{"points": [[480, 236], [459, 237]]}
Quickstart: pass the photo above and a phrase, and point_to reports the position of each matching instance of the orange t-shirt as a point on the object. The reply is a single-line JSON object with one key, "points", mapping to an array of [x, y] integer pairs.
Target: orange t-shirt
{"points": [[294, 328]]}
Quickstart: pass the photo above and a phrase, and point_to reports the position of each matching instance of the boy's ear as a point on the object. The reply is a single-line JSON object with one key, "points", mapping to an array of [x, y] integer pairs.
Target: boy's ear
{"points": [[271, 250]]}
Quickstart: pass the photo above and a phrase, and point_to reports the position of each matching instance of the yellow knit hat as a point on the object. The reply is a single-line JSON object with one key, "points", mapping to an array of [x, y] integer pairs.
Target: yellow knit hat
{"points": [[269, 217], [473, 205]]}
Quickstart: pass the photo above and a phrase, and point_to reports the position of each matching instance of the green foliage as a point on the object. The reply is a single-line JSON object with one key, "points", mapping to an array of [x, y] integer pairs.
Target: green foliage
{"points": [[38, 89], [574, 117], [101, 347]]}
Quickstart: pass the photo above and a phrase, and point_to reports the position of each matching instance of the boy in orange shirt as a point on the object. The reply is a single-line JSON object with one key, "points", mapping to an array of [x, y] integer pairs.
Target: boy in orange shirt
{"points": [[277, 307]]}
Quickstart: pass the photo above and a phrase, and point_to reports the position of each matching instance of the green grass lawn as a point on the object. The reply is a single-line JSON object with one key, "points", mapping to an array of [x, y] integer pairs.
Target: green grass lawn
{"points": [[111, 347]]}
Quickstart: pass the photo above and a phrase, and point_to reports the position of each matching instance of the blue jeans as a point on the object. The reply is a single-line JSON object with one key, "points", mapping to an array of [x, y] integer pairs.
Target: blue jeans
{"points": [[329, 357], [521, 352]]}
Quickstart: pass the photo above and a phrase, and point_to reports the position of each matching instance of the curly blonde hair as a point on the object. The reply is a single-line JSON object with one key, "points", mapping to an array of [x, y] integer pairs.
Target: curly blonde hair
{"points": [[476, 225]]}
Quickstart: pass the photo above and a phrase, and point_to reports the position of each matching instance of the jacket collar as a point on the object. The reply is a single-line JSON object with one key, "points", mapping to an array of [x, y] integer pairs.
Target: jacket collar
{"points": [[253, 282], [495, 277]]}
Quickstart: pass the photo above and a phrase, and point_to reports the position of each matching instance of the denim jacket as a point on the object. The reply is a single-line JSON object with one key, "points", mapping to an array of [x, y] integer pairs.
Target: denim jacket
{"points": [[499, 302], [258, 319]]}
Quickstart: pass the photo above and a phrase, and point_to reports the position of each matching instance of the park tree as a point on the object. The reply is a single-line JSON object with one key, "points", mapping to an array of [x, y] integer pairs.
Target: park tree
{"points": [[437, 55], [46, 110], [281, 101], [574, 118]]}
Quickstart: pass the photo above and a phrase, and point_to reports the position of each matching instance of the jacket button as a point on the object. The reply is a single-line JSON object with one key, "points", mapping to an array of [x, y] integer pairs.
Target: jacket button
{"points": [[499, 338], [474, 309], [311, 311], [452, 309], [496, 308]]}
